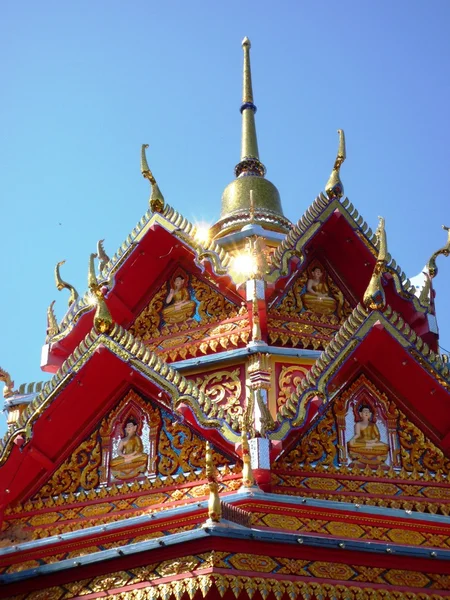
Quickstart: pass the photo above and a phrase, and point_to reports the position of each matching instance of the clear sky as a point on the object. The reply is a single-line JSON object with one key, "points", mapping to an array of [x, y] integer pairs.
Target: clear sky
{"points": [[85, 83]]}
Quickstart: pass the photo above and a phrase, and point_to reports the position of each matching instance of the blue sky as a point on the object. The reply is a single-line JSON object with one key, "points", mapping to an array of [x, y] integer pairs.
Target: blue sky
{"points": [[84, 84]]}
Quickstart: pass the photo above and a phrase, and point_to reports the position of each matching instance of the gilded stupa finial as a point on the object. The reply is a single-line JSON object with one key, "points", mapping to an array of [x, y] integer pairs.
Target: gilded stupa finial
{"points": [[238, 210], [103, 321], [52, 323], [61, 284], [445, 251], [214, 507], [248, 479], [334, 187], [8, 390], [250, 162], [374, 296], [156, 200]]}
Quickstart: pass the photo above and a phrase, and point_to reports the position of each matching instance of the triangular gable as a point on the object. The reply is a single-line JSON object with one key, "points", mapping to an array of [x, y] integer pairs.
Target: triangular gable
{"points": [[188, 316], [157, 243], [414, 371], [310, 310], [165, 447], [334, 229], [364, 446], [117, 471], [76, 395]]}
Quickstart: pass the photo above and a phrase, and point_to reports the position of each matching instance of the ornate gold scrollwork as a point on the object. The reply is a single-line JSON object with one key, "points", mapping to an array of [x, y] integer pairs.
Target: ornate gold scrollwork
{"points": [[80, 469], [223, 388], [288, 380]]}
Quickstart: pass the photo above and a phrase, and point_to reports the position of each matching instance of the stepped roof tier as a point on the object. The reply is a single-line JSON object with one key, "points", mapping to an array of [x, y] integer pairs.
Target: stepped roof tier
{"points": [[259, 410]]}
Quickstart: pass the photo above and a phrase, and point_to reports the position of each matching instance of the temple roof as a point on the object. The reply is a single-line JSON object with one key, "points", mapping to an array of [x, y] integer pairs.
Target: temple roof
{"points": [[376, 341]]}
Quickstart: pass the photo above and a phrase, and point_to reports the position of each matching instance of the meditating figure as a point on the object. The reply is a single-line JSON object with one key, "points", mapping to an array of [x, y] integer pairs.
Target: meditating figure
{"points": [[366, 446], [131, 460], [179, 305], [317, 297]]}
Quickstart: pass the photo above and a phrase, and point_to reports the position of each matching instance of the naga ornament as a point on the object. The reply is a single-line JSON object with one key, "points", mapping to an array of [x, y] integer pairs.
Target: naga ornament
{"points": [[334, 187], [156, 198], [445, 251], [61, 284], [374, 296], [103, 321]]}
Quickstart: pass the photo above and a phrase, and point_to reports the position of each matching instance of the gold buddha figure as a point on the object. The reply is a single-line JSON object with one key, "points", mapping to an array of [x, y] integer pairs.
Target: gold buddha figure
{"points": [[317, 297], [131, 460], [179, 305], [366, 446]]}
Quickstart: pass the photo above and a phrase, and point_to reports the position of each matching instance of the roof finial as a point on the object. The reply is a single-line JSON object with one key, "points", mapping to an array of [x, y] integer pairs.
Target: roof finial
{"points": [[156, 198], [250, 163], [61, 284], [374, 296], [8, 390], [265, 209], [102, 256], [334, 187], [247, 91], [214, 508], [445, 251], [52, 323], [103, 321]]}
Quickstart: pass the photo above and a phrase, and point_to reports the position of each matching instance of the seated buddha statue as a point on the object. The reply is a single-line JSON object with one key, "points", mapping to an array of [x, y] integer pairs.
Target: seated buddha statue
{"points": [[366, 446], [317, 297], [131, 460], [178, 306]]}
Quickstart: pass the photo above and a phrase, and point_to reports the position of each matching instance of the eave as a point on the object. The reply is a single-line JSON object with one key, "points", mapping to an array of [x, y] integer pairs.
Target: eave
{"points": [[221, 538], [161, 518]]}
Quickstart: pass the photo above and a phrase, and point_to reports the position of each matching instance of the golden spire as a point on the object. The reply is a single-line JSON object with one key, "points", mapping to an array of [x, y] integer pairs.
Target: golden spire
{"points": [[214, 508], [52, 323], [61, 284], [156, 198], [334, 187], [250, 198], [445, 251], [249, 141], [374, 296], [247, 474], [102, 319]]}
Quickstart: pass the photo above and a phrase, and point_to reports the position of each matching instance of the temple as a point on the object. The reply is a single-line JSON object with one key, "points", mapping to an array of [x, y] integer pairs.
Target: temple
{"points": [[257, 409]]}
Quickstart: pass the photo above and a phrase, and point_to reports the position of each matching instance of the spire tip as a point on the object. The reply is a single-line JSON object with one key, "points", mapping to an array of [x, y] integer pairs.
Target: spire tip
{"points": [[246, 42]]}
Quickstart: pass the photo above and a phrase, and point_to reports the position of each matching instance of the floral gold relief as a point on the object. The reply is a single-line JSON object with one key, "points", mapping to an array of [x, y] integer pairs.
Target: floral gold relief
{"points": [[344, 581], [401, 467], [288, 380], [185, 314], [80, 470], [310, 312], [224, 388]]}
